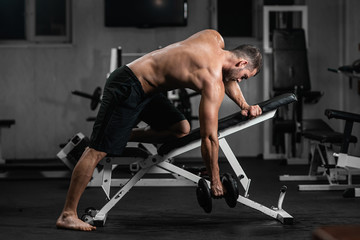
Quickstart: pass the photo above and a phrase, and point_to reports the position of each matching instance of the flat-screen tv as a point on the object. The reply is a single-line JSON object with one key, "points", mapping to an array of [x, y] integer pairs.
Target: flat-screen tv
{"points": [[145, 13]]}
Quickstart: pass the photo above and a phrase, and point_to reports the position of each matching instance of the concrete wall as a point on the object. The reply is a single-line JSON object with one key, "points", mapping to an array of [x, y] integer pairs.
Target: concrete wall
{"points": [[37, 80]]}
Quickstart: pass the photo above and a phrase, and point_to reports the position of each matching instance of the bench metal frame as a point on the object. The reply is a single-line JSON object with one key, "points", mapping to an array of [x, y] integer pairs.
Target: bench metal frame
{"points": [[163, 164]]}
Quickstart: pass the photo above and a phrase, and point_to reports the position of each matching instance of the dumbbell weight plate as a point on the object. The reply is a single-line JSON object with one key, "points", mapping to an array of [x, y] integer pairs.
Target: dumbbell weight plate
{"points": [[232, 191], [203, 195]]}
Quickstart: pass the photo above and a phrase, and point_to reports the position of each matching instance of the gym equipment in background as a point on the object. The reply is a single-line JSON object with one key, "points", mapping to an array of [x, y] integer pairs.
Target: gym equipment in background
{"points": [[291, 74], [95, 97], [337, 169], [323, 142], [344, 160], [351, 71]]}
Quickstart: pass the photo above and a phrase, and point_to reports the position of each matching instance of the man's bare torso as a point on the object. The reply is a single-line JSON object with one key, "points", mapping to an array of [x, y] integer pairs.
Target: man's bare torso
{"points": [[190, 63]]}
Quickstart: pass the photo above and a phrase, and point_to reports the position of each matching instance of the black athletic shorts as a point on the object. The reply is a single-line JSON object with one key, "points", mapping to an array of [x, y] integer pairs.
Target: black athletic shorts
{"points": [[123, 105]]}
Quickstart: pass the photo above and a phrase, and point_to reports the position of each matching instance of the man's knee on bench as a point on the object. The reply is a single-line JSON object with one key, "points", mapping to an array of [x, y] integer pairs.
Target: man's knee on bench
{"points": [[180, 129]]}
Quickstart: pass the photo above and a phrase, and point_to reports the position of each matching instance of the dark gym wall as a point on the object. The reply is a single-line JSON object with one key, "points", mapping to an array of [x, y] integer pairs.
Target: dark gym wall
{"points": [[36, 80]]}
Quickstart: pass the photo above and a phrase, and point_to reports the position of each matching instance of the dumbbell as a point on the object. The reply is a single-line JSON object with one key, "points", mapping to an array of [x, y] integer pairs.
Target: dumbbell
{"points": [[204, 194], [95, 97]]}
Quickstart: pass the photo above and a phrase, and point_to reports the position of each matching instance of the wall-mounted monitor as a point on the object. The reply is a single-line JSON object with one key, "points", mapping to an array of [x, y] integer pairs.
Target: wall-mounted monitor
{"points": [[145, 13]]}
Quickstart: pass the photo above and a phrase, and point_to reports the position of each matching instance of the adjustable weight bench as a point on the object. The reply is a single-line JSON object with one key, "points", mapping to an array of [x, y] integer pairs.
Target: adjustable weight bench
{"points": [[160, 159]]}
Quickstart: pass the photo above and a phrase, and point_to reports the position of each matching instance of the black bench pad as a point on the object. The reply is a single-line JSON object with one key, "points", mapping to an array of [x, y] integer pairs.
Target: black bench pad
{"points": [[229, 121], [328, 135], [330, 113], [324, 136]]}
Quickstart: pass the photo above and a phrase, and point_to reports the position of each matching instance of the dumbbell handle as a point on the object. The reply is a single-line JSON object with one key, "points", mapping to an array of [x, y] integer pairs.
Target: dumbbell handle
{"points": [[82, 94]]}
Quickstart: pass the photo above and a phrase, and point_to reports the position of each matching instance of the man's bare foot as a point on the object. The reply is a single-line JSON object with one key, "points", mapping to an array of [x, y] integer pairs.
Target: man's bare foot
{"points": [[68, 221]]}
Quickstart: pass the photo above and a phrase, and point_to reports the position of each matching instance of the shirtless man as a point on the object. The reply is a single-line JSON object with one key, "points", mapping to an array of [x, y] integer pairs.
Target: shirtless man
{"points": [[132, 92]]}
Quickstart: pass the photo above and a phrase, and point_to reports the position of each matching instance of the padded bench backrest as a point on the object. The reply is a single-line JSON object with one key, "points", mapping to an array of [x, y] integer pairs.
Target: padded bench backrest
{"points": [[290, 60], [229, 121]]}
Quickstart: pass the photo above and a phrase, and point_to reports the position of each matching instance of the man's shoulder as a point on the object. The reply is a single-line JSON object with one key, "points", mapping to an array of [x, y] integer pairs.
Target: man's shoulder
{"points": [[210, 32]]}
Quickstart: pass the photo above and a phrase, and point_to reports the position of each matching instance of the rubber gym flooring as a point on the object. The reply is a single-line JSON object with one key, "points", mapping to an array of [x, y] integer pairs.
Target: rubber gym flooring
{"points": [[30, 206]]}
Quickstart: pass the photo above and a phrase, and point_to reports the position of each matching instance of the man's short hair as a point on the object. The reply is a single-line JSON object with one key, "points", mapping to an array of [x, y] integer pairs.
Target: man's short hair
{"points": [[250, 53]]}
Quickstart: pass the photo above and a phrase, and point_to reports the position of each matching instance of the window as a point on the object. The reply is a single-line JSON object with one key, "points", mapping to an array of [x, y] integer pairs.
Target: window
{"points": [[35, 21], [12, 19]]}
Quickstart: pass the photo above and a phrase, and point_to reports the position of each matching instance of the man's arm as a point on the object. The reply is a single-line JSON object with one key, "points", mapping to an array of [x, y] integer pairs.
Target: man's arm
{"points": [[211, 98], [234, 92]]}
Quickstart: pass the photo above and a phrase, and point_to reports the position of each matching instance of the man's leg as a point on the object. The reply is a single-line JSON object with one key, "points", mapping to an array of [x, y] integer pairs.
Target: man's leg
{"points": [[149, 135], [165, 122], [80, 178]]}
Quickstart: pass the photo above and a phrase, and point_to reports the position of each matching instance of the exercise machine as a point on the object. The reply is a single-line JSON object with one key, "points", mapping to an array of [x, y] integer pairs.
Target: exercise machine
{"points": [[146, 161], [291, 74], [323, 141], [344, 160], [337, 167], [351, 71]]}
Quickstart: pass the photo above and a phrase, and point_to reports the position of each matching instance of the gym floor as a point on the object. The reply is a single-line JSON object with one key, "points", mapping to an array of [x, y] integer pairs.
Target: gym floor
{"points": [[30, 206]]}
